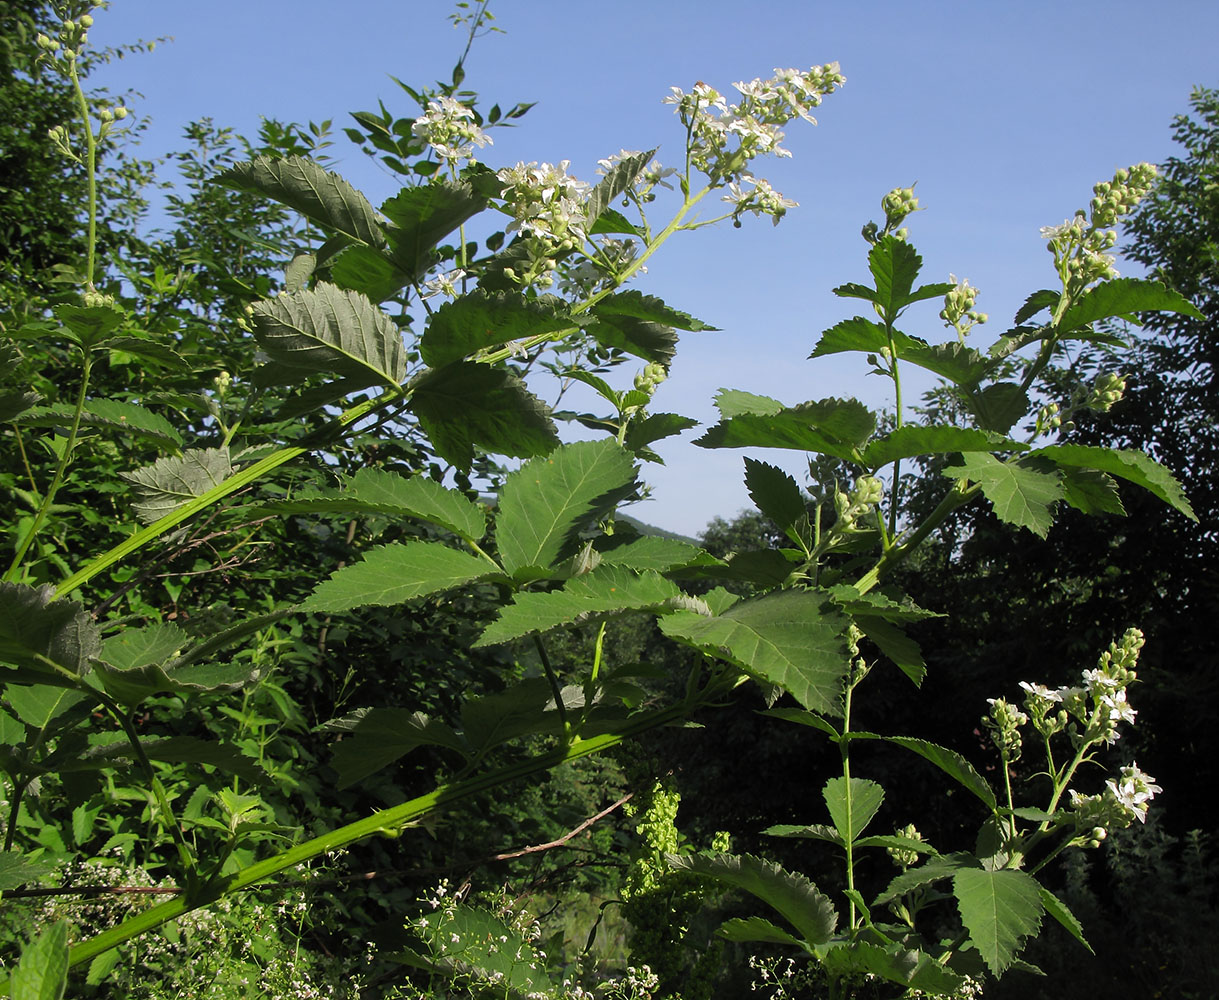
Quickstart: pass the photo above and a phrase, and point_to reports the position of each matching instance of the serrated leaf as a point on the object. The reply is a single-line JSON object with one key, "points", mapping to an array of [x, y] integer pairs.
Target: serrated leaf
{"points": [[1128, 464], [360, 268], [13, 404], [896, 645], [106, 413], [89, 324], [736, 402], [789, 638], [1035, 303], [146, 350], [1022, 492], [852, 805], [168, 483], [757, 929], [803, 718], [521, 710], [379, 492], [34, 628], [318, 194], [226, 757], [102, 966], [1091, 491], [655, 342], [647, 307], [913, 440], [327, 330], [17, 870], [877, 605], [860, 334], [1125, 298], [546, 503], [394, 574], [641, 432], [895, 265], [932, 870], [896, 842], [42, 972], [467, 325], [385, 735], [299, 271], [617, 179], [464, 405], [613, 221], [807, 831], [426, 214], [138, 647], [606, 591], [837, 427], [953, 361], [999, 909], [775, 493], [657, 553], [894, 962], [999, 406], [952, 764], [797, 899], [1057, 909]]}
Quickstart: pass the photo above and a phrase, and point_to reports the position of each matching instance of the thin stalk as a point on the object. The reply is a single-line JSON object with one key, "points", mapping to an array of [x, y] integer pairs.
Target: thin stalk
{"points": [[844, 745], [90, 174], [555, 687]]}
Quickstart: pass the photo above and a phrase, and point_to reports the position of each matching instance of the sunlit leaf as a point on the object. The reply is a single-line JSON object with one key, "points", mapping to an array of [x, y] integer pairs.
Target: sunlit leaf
{"points": [[42, 972], [106, 413], [1022, 493], [837, 427], [913, 440], [1125, 298], [1000, 909], [168, 483], [852, 804]]}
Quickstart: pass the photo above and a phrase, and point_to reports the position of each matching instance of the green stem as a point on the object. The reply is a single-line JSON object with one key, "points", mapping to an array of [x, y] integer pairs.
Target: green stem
{"points": [[386, 820], [844, 745], [90, 174], [555, 687]]}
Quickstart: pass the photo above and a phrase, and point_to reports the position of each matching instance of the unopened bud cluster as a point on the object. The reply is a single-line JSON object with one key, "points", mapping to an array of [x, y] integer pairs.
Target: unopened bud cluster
{"points": [[1106, 391], [1115, 198], [651, 376], [1003, 722], [902, 857], [958, 311], [853, 507]]}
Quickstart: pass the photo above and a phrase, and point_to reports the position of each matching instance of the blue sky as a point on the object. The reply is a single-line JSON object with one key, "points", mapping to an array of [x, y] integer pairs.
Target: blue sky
{"points": [[1005, 113]]}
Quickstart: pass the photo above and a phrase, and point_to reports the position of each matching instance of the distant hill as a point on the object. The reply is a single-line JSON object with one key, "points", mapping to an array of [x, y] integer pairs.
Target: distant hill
{"points": [[649, 529]]}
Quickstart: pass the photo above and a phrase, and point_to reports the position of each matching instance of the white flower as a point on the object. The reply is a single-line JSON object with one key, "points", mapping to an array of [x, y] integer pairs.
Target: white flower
{"points": [[1133, 790], [1119, 708], [448, 127], [1042, 692], [444, 284], [1071, 227]]}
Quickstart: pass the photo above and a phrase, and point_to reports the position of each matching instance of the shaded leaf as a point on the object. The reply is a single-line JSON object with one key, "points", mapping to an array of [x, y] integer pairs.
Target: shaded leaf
{"points": [[757, 929], [1035, 303], [647, 307], [735, 402], [999, 406], [34, 628], [621, 176], [932, 870], [1090, 491], [521, 710], [465, 326], [426, 214], [852, 805], [999, 909], [17, 870], [393, 574], [655, 552], [15, 403], [385, 735], [369, 272], [168, 483], [913, 440], [775, 493], [327, 330], [953, 361], [89, 324], [800, 902], [789, 638], [146, 350], [1125, 463], [464, 405], [896, 645], [546, 503], [642, 432], [643, 338], [837, 427], [808, 831], [1022, 492], [860, 334], [106, 413]]}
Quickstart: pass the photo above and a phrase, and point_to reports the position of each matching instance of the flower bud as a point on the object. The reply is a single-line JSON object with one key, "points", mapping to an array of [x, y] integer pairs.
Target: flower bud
{"points": [[120, 112], [86, 21]]}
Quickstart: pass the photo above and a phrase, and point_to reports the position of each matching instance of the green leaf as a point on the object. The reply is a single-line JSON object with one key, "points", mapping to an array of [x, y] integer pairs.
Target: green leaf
{"points": [[369, 272], [852, 806], [789, 638], [547, 502], [621, 176], [146, 350], [387, 494], [932, 870], [326, 330], [1035, 303], [837, 427], [913, 440], [522, 710], [803, 718], [1022, 492], [654, 552], [1057, 909], [393, 574], [226, 757], [132, 648], [953, 361], [643, 338], [13, 404], [1126, 464], [735, 402], [89, 324], [757, 929], [168, 483], [479, 320], [42, 972], [896, 645], [612, 221], [318, 194], [877, 605], [893, 962], [999, 406], [896, 842], [102, 966], [35, 628], [642, 432], [952, 764], [464, 405], [106, 413], [384, 735], [606, 591], [800, 902], [775, 493], [1091, 491], [647, 307], [895, 265], [859, 334], [16, 869], [1125, 298], [999, 909], [426, 214]]}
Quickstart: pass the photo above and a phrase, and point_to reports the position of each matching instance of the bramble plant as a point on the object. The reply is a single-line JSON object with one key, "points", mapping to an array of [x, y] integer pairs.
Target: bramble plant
{"points": [[544, 291]]}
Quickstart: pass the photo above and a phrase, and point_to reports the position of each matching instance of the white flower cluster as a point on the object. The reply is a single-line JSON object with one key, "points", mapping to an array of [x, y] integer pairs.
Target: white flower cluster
{"points": [[723, 138], [448, 126], [958, 312], [1123, 801], [546, 205]]}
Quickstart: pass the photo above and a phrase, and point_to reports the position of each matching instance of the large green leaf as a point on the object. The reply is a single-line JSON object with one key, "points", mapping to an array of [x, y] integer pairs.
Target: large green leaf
{"points": [[318, 194], [226, 757], [521, 710], [384, 735], [606, 591], [837, 427], [791, 638], [953, 361], [479, 320], [424, 215], [35, 628], [800, 902], [466, 405], [934, 869], [775, 494], [952, 764], [1057, 909], [1125, 463], [106, 413], [1091, 491], [42, 972], [1125, 298], [896, 645], [369, 272], [328, 330], [38, 705], [396, 573], [89, 324], [16, 869], [858, 334], [647, 307], [999, 909], [548, 501], [893, 962], [735, 402], [1022, 493], [379, 492], [757, 929], [894, 264], [913, 440], [641, 432], [852, 805], [168, 483], [654, 552], [643, 338], [997, 407]]}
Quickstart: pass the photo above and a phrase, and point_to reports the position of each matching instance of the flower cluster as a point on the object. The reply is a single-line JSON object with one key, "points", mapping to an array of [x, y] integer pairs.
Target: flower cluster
{"points": [[1080, 245], [854, 506], [723, 139], [1123, 801], [449, 127], [1107, 390], [546, 205], [1003, 722], [958, 311]]}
